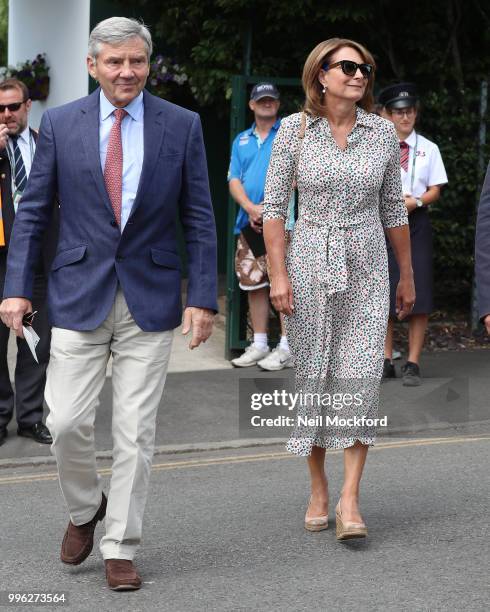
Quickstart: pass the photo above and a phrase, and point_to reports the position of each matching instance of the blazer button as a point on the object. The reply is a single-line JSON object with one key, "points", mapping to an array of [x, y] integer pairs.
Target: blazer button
{"points": [[114, 223], [3, 175], [119, 258]]}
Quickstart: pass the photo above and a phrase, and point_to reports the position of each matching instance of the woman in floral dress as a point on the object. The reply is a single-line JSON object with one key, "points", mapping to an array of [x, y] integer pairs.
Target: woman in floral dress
{"points": [[333, 284]]}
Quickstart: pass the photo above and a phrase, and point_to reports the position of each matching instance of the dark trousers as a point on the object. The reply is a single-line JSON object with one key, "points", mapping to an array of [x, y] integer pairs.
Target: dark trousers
{"points": [[30, 377]]}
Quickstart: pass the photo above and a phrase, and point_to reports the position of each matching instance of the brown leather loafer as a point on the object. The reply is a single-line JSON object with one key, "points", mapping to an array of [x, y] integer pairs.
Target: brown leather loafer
{"points": [[79, 539], [121, 575]]}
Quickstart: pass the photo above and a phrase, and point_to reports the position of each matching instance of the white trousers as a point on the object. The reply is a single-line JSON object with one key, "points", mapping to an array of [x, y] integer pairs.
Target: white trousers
{"points": [[75, 377]]}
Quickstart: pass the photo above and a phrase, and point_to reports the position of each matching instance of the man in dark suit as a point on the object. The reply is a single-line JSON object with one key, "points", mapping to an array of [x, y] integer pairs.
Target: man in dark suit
{"points": [[17, 146], [125, 164], [482, 254]]}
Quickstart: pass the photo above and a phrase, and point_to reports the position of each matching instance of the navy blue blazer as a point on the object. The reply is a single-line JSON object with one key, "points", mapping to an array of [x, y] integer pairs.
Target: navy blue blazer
{"points": [[482, 250], [92, 255]]}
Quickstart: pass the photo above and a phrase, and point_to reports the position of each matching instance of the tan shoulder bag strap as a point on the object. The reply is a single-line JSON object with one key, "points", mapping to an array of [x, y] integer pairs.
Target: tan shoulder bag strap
{"points": [[302, 128], [301, 136]]}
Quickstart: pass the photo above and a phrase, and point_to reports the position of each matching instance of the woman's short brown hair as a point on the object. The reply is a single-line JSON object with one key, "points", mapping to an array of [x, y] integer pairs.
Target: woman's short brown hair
{"points": [[314, 104]]}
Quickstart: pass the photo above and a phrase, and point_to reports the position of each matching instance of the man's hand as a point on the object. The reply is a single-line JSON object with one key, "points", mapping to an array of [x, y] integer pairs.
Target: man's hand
{"points": [[486, 321], [11, 312], [410, 203], [255, 213], [201, 320], [257, 227], [4, 136]]}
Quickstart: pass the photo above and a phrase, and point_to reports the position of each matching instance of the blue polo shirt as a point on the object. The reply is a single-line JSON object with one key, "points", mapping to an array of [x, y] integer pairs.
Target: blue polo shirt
{"points": [[249, 162]]}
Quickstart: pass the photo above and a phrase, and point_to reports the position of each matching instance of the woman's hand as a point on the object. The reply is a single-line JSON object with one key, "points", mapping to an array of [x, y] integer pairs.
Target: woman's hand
{"points": [[405, 296], [282, 294]]}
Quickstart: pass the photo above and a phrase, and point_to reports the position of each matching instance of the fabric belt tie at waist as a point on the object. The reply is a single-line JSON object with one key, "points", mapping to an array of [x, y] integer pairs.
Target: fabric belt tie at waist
{"points": [[331, 263]]}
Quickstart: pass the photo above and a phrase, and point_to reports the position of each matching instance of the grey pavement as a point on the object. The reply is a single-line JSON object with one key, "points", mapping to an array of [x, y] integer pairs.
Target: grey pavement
{"points": [[224, 532], [224, 528], [200, 407]]}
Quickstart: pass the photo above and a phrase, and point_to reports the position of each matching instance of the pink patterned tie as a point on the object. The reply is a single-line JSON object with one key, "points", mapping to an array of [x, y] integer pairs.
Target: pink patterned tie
{"points": [[114, 164], [404, 152]]}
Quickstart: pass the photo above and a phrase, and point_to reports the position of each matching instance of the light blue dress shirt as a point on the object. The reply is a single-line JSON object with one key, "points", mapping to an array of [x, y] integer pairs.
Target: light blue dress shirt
{"points": [[132, 144]]}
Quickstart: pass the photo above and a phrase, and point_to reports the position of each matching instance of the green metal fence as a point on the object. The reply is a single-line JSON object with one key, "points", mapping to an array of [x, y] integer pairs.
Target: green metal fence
{"points": [[236, 305]]}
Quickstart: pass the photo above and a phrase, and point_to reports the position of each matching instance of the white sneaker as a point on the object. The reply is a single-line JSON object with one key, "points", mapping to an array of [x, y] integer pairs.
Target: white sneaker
{"points": [[277, 360], [250, 357]]}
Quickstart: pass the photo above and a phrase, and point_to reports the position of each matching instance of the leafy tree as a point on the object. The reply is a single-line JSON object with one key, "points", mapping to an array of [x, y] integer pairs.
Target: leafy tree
{"points": [[4, 18], [441, 45], [437, 44]]}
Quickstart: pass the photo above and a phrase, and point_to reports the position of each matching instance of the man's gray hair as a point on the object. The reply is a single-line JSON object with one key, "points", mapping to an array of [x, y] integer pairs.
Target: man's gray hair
{"points": [[116, 30]]}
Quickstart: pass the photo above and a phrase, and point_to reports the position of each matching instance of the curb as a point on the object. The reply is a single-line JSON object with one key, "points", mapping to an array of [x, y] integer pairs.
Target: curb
{"points": [[175, 449], [168, 449]]}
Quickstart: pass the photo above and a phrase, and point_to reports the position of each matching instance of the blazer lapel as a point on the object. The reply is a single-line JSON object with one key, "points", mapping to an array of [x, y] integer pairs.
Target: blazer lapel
{"points": [[90, 137], [153, 135]]}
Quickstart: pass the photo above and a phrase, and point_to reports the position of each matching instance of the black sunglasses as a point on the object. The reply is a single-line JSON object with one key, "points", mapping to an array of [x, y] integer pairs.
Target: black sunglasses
{"points": [[350, 68], [12, 107]]}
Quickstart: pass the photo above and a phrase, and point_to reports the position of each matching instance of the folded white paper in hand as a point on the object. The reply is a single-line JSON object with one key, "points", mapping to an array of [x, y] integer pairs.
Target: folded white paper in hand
{"points": [[32, 340]]}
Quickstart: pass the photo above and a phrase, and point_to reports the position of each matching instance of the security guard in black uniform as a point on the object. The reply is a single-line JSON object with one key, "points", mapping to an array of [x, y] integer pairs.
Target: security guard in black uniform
{"points": [[17, 147]]}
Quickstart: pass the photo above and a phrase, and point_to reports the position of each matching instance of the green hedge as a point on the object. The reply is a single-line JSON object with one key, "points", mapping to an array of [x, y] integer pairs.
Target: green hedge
{"points": [[452, 120]]}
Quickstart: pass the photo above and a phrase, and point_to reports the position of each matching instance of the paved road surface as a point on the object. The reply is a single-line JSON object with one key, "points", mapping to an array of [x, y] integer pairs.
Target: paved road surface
{"points": [[224, 532], [201, 407]]}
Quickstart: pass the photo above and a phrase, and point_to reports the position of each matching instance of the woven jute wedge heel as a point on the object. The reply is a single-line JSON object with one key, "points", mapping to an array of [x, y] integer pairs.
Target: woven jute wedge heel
{"points": [[316, 523], [347, 530]]}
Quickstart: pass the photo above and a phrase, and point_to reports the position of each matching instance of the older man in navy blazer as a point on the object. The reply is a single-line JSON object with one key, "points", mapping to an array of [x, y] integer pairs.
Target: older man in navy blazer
{"points": [[125, 165], [482, 254]]}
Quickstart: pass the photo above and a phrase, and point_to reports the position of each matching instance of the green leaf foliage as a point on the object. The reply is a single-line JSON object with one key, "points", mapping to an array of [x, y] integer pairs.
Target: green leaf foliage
{"points": [[442, 45], [4, 19]]}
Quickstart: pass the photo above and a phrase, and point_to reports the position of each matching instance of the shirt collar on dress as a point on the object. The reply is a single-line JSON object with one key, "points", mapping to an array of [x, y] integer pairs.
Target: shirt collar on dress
{"points": [[362, 118], [134, 108]]}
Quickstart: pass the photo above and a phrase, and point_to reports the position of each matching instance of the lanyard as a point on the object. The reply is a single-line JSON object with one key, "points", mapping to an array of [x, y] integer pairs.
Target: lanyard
{"points": [[412, 177]]}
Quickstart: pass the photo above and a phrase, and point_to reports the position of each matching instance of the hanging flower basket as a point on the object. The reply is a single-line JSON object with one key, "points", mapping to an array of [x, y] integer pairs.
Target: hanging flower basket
{"points": [[167, 79], [35, 75]]}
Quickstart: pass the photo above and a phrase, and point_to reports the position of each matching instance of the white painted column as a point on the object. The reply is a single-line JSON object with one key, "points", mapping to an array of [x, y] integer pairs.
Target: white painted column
{"points": [[59, 28]]}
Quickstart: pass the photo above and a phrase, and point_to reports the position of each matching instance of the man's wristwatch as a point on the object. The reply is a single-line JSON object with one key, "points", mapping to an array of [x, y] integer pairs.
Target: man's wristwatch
{"points": [[419, 203]]}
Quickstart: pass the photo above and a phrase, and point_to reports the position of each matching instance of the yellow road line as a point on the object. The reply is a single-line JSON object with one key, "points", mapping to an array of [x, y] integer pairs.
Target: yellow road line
{"points": [[191, 463]]}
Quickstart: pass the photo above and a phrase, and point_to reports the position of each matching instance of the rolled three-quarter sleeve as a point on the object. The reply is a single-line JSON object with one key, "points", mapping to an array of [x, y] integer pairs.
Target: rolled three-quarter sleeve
{"points": [[392, 209], [280, 174]]}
